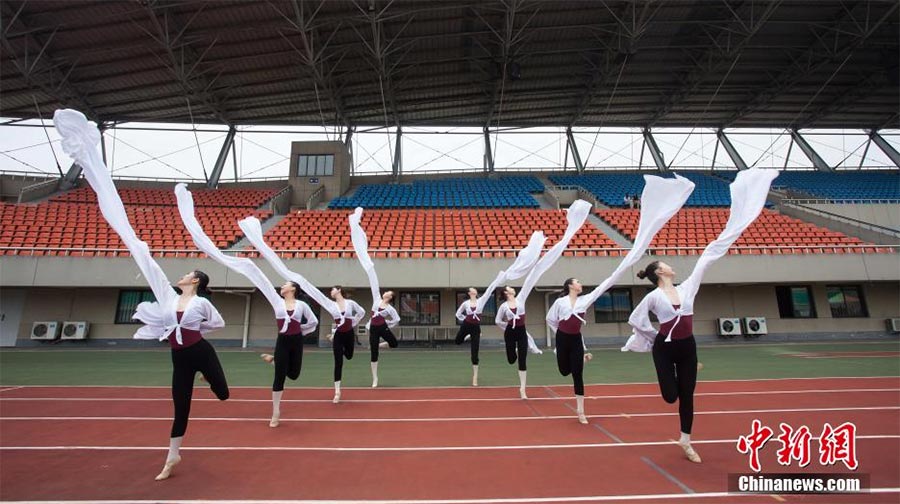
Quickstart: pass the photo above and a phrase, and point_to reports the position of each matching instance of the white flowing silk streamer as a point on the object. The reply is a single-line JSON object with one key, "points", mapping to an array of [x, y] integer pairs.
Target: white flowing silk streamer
{"points": [[241, 265], [253, 231], [526, 260], [361, 247], [660, 201], [576, 214], [748, 197], [79, 141]]}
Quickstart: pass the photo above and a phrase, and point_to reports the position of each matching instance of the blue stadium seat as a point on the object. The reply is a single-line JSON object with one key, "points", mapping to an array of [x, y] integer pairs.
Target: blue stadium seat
{"points": [[611, 188], [843, 185], [503, 192]]}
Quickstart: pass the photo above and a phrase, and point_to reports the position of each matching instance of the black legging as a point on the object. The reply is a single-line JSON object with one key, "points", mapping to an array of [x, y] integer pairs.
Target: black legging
{"points": [[186, 362], [342, 346], [516, 342], [288, 359], [676, 370], [377, 332], [473, 330], [570, 358]]}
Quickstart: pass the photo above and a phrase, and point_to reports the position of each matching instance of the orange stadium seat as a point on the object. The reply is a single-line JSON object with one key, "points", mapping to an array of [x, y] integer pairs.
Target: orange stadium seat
{"points": [[771, 233], [493, 233]]}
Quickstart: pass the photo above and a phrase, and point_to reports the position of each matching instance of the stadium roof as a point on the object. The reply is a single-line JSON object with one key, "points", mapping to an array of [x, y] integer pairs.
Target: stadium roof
{"points": [[723, 63]]}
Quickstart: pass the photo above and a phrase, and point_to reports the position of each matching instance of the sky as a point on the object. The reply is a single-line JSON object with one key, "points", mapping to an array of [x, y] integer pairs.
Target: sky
{"points": [[261, 153]]}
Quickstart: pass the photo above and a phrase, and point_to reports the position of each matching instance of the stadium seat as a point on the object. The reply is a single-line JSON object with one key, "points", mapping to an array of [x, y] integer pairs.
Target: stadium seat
{"points": [[771, 233]]}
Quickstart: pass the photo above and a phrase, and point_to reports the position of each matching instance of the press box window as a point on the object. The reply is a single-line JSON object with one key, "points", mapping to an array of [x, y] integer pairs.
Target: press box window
{"points": [[321, 165]]}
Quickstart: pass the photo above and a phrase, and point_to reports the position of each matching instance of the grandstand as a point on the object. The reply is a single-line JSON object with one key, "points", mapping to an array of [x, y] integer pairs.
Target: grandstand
{"points": [[437, 233], [460, 127]]}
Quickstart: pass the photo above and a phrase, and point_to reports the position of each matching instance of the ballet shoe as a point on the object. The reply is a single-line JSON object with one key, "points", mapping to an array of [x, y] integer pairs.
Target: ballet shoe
{"points": [[582, 419], [269, 358], [337, 398], [275, 421], [690, 453], [374, 382], [167, 469], [522, 394]]}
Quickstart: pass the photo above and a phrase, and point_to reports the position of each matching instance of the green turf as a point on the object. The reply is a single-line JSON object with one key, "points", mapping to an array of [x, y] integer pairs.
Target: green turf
{"points": [[429, 368]]}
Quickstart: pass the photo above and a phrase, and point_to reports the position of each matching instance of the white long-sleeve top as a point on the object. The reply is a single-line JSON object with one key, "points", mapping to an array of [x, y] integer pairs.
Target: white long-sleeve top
{"points": [[160, 321], [467, 309], [560, 310], [301, 311], [353, 311], [388, 313], [79, 141], [506, 316], [748, 196], [663, 197]]}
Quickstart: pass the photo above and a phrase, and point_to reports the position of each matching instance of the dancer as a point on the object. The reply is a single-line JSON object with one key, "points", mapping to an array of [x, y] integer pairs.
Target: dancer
{"points": [[511, 314], [384, 316], [182, 318], [288, 358], [673, 346], [566, 315], [470, 328], [343, 340], [247, 268]]}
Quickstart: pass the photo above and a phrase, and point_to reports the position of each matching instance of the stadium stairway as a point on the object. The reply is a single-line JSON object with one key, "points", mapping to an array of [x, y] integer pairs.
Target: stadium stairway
{"points": [[611, 232], [266, 225]]}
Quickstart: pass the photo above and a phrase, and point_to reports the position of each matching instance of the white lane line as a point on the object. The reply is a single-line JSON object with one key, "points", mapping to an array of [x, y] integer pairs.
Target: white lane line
{"points": [[466, 387], [440, 419], [458, 399], [392, 448]]}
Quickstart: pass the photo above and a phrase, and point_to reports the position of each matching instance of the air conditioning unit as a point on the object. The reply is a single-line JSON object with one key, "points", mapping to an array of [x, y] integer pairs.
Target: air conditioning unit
{"points": [[75, 330], [893, 325], [755, 326], [729, 327], [45, 331]]}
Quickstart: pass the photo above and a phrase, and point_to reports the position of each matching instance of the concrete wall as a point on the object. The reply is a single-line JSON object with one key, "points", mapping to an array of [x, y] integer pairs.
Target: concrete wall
{"points": [[98, 306], [335, 185], [24, 271], [11, 185], [881, 214]]}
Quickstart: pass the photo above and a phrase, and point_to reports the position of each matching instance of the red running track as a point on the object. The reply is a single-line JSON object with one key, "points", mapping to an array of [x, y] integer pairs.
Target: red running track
{"points": [[426, 445]]}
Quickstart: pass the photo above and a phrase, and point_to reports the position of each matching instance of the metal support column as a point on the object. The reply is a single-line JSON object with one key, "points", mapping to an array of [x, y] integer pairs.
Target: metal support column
{"points": [[576, 157], [220, 161], [811, 153], [735, 156], [658, 157], [488, 153], [887, 148]]}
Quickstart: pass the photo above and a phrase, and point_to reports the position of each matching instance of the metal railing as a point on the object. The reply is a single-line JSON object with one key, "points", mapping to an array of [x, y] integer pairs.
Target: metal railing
{"points": [[825, 201], [45, 185], [277, 200], [315, 198], [444, 253]]}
